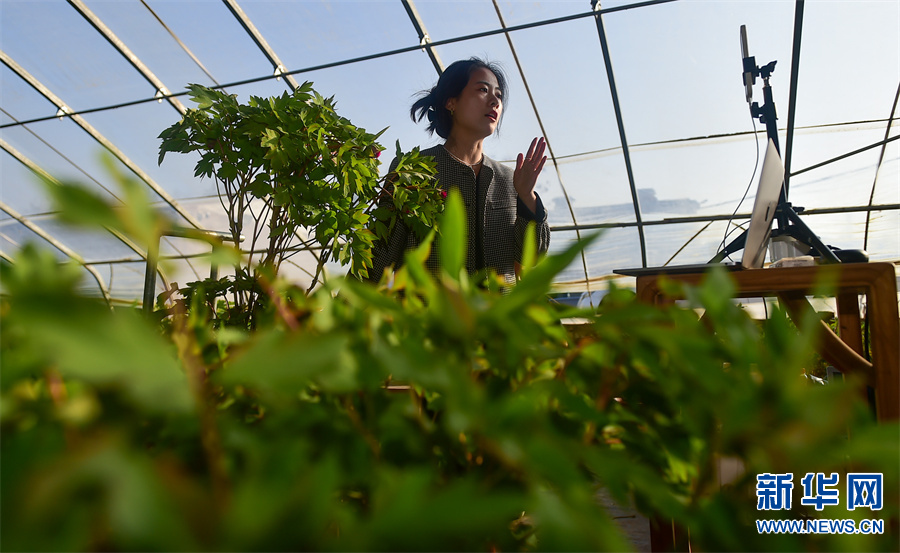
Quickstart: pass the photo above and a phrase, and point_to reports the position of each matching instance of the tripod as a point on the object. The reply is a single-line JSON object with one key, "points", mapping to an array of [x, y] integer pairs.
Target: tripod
{"points": [[786, 215]]}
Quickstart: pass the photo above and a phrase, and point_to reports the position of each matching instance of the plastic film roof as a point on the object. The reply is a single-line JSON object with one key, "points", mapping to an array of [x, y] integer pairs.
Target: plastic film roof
{"points": [[642, 105]]}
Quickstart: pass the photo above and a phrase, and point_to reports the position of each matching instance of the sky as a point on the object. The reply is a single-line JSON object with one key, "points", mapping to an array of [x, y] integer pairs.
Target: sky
{"points": [[676, 66]]}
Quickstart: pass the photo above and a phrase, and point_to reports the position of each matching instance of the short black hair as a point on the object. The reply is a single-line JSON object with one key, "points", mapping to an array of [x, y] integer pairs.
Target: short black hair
{"points": [[433, 103]]}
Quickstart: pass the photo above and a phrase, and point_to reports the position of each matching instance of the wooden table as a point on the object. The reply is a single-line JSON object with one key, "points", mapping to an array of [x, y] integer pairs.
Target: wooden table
{"points": [[845, 351]]}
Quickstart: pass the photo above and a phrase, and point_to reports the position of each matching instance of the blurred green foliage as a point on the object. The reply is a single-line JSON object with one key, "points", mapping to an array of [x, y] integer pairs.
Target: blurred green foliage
{"points": [[436, 414]]}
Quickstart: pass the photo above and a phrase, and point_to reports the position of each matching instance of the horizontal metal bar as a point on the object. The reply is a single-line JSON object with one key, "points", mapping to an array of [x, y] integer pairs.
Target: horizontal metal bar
{"points": [[187, 232], [591, 226], [707, 218], [848, 154]]}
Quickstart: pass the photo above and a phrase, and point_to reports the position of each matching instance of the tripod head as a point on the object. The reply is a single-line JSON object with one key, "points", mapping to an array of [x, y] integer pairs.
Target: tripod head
{"points": [[751, 70], [766, 70], [765, 113]]}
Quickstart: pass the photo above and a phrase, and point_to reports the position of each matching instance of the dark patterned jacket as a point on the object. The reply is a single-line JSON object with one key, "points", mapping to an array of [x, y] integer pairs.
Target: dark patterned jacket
{"points": [[496, 220]]}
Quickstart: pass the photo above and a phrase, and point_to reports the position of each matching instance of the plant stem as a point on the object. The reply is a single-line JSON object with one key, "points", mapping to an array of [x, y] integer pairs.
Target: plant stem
{"points": [[321, 264], [188, 352]]}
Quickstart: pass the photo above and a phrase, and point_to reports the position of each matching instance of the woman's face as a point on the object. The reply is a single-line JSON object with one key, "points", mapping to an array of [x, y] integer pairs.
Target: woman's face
{"points": [[478, 107]]}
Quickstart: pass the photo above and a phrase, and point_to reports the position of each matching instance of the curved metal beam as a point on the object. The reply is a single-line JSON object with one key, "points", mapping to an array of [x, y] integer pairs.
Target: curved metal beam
{"points": [[887, 133], [40, 172], [615, 100], [132, 58], [61, 247], [260, 41], [424, 39], [64, 110]]}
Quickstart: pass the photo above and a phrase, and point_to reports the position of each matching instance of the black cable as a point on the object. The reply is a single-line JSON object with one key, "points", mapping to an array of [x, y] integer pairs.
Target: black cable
{"points": [[866, 334], [746, 191]]}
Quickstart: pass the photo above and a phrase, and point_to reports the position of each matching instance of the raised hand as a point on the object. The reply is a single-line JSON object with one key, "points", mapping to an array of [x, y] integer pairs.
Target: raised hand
{"points": [[528, 167]]}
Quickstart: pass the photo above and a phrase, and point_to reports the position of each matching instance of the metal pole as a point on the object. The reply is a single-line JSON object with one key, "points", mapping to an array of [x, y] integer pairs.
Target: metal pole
{"points": [[150, 276], [615, 99], [792, 101]]}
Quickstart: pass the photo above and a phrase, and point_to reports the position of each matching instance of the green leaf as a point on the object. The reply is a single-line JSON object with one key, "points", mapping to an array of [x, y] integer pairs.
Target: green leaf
{"points": [[536, 283], [87, 342], [453, 235], [281, 364], [464, 517], [104, 478], [139, 217], [204, 97], [78, 205], [529, 248]]}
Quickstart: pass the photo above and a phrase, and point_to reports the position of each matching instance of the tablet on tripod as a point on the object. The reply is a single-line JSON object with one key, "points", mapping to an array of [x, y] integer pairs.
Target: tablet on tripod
{"points": [[768, 190], [770, 181]]}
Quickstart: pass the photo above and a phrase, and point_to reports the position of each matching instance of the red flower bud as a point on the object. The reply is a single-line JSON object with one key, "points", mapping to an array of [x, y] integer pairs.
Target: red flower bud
{"points": [[444, 194]]}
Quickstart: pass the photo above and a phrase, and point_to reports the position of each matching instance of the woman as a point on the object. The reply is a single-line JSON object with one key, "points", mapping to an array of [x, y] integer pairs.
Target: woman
{"points": [[464, 108]]}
